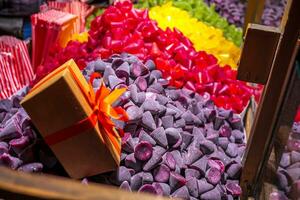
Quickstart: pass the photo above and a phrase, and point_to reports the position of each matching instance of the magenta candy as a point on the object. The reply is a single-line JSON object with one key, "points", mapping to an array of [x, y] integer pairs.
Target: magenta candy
{"points": [[123, 174], [225, 131], [123, 70], [141, 83], [218, 164], [138, 69], [134, 113], [236, 123], [148, 121], [180, 123], [3, 148], [178, 158], [171, 111], [207, 147], [114, 81], [186, 139], [10, 161], [148, 188], [141, 97], [147, 178], [295, 157], [167, 121], [162, 188], [204, 186], [160, 137], [176, 181], [127, 143], [192, 155], [294, 173], [200, 165], [210, 114], [223, 142], [283, 179], [181, 193], [233, 189], [131, 162], [143, 151], [238, 136], [136, 181], [232, 150], [133, 92], [193, 187], [227, 114], [219, 121], [155, 159], [162, 99], [11, 130], [151, 105], [169, 160], [31, 167], [143, 136], [213, 176], [234, 170], [19, 144], [125, 186], [173, 136], [191, 173], [213, 194], [108, 72], [161, 173]]}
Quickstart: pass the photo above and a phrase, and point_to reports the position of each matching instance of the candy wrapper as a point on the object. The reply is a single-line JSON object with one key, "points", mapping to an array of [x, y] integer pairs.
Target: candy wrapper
{"points": [[15, 67], [48, 28], [76, 122]]}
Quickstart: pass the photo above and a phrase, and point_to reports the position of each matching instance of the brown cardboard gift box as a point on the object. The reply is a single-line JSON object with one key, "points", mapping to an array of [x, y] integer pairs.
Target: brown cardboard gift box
{"points": [[58, 102]]}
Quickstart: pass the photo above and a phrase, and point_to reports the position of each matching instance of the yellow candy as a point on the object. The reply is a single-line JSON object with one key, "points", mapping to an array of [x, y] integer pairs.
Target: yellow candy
{"points": [[204, 37], [80, 37]]}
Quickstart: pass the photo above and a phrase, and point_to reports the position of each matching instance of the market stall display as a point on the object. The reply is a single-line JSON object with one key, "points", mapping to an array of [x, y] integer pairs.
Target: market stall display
{"points": [[122, 28], [147, 102]]}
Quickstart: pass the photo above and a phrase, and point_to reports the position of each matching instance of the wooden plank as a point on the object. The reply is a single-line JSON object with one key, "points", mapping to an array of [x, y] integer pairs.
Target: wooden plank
{"points": [[53, 187], [254, 12], [271, 101], [258, 53]]}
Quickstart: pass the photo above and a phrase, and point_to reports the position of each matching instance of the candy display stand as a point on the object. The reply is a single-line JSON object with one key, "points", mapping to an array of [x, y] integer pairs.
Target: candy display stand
{"points": [[266, 130]]}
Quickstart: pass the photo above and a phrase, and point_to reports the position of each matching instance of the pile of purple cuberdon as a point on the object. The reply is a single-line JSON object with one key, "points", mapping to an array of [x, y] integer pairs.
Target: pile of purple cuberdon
{"points": [[176, 142]]}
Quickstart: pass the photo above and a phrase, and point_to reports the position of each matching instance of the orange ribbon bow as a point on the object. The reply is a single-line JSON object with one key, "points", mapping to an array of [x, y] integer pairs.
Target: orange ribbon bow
{"points": [[103, 112]]}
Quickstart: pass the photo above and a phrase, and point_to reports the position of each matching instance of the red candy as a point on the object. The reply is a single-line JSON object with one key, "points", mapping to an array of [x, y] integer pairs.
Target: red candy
{"points": [[122, 28]]}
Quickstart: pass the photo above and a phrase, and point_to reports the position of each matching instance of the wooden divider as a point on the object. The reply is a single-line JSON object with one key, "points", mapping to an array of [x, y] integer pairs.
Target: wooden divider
{"points": [[53, 187], [265, 125]]}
